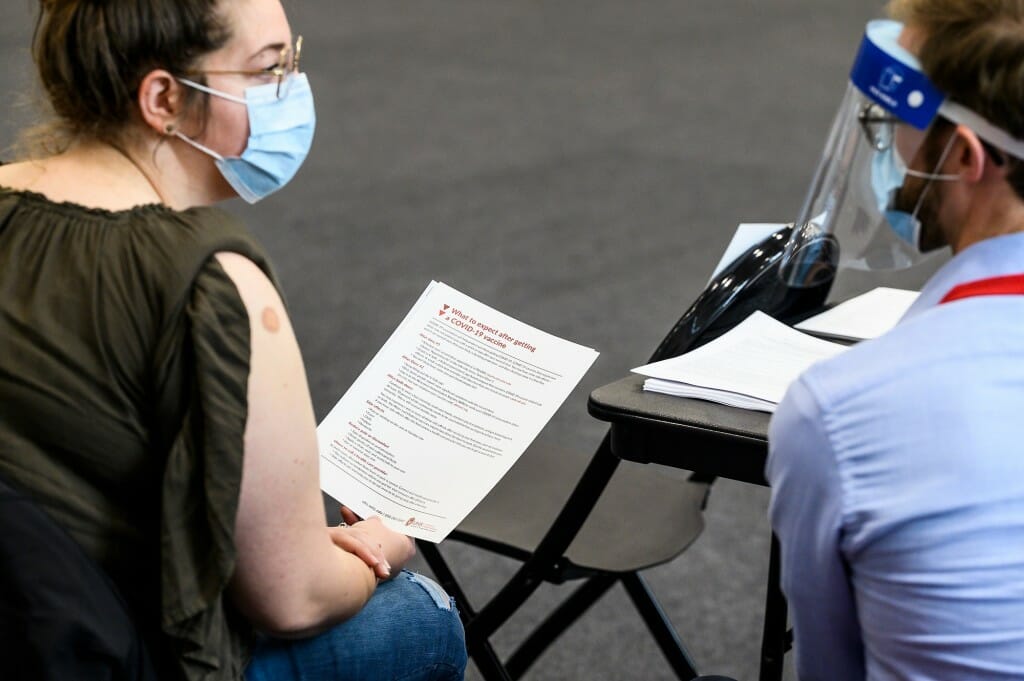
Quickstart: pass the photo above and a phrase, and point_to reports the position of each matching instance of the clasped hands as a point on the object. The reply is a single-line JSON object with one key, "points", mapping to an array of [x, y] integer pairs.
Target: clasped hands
{"points": [[384, 551]]}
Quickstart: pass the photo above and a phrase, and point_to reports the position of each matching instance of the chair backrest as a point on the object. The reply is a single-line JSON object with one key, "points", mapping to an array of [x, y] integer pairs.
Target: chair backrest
{"points": [[751, 282], [60, 615]]}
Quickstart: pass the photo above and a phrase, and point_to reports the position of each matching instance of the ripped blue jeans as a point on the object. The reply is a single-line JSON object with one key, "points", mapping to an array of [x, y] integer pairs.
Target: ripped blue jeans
{"points": [[408, 631]]}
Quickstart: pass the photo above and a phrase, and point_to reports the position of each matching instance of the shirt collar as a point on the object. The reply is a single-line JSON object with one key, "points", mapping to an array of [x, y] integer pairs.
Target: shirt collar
{"points": [[993, 257]]}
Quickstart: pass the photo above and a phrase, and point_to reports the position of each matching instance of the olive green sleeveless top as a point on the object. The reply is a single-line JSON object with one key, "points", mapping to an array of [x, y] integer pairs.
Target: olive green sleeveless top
{"points": [[124, 361]]}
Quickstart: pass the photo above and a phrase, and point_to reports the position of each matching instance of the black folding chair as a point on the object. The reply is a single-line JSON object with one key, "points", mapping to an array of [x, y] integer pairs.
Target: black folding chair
{"points": [[566, 517], [60, 615]]}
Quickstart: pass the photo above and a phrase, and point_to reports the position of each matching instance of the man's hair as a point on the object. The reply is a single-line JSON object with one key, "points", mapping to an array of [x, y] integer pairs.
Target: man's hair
{"points": [[973, 51]]}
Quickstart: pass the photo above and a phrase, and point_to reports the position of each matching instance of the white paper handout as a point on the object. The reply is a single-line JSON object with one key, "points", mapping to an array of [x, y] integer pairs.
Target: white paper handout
{"points": [[749, 366], [868, 315], [746, 235], [443, 410]]}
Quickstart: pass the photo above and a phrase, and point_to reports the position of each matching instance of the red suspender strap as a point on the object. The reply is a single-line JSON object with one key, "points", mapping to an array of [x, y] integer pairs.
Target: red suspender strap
{"points": [[1011, 284]]}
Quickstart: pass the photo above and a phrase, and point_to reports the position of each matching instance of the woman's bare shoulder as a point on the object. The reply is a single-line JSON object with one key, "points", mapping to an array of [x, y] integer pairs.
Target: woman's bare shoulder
{"points": [[75, 178], [22, 174]]}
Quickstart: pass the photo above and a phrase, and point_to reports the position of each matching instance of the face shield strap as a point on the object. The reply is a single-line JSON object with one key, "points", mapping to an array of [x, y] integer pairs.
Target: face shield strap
{"points": [[995, 136]]}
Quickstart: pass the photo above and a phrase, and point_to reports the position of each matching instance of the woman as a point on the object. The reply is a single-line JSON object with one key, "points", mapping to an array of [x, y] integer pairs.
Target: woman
{"points": [[156, 404]]}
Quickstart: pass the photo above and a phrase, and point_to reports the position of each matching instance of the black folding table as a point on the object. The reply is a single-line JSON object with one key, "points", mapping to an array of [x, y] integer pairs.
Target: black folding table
{"points": [[710, 440]]}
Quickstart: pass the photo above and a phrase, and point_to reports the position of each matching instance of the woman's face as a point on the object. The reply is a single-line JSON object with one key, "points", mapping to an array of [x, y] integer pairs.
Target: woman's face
{"points": [[259, 31]]}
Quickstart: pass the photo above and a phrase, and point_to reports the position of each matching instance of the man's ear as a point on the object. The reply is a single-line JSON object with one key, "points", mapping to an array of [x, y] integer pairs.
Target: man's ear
{"points": [[161, 101], [972, 159]]}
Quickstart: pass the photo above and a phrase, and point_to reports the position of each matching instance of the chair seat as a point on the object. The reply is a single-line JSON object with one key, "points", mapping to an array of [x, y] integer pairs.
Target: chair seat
{"points": [[645, 516]]}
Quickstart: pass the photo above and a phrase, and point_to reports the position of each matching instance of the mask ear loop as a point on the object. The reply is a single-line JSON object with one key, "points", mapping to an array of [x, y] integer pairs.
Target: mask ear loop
{"points": [[209, 90], [174, 132], [931, 178], [201, 147]]}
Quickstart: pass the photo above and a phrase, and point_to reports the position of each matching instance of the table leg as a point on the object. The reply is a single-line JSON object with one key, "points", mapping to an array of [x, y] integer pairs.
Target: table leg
{"points": [[773, 640]]}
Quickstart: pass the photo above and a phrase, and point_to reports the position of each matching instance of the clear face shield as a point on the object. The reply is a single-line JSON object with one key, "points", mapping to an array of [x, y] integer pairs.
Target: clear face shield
{"points": [[857, 213]]}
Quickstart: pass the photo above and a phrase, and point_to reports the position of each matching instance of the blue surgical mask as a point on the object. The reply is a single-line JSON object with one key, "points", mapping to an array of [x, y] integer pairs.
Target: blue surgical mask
{"points": [[887, 175], [888, 172], [280, 136]]}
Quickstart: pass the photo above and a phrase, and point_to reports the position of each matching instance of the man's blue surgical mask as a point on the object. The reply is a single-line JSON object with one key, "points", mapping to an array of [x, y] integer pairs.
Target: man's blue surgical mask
{"points": [[888, 172], [280, 136]]}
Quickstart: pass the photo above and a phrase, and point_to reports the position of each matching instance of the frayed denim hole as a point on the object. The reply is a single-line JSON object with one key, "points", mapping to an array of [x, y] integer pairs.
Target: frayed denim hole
{"points": [[440, 597]]}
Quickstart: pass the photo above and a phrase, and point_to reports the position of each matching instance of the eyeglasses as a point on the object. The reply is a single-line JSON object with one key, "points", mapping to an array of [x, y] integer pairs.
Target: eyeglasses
{"points": [[287, 64], [878, 125]]}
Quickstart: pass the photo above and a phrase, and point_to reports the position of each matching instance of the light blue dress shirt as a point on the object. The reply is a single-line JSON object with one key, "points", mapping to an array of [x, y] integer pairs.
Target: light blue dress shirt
{"points": [[897, 474]]}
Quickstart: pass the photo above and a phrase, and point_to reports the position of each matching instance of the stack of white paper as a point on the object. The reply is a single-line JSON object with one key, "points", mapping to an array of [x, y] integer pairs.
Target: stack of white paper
{"points": [[750, 366], [868, 315]]}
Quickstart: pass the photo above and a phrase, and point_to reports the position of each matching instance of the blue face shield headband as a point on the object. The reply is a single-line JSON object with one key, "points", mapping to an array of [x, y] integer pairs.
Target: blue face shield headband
{"points": [[281, 126]]}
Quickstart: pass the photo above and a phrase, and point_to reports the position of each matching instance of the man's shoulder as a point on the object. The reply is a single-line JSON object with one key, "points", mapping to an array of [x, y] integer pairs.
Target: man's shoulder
{"points": [[868, 364], [941, 361]]}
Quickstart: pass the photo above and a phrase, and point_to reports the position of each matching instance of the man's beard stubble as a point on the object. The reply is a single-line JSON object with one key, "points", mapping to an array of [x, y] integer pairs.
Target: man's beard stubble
{"points": [[933, 236]]}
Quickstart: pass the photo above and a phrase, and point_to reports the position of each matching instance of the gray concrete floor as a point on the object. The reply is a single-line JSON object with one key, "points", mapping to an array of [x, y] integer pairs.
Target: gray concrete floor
{"points": [[578, 164]]}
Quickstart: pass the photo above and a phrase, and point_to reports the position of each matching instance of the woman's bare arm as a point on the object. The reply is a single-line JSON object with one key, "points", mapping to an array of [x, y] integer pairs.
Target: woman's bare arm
{"points": [[292, 578]]}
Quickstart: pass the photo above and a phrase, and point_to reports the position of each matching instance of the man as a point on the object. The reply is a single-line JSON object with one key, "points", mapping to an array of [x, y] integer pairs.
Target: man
{"points": [[897, 467]]}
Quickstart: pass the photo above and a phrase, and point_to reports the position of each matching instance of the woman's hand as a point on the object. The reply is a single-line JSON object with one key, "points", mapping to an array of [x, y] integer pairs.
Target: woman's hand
{"points": [[384, 551]]}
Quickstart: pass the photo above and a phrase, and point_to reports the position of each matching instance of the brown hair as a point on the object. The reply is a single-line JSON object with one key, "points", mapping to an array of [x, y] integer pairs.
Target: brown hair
{"points": [[973, 51], [92, 55]]}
